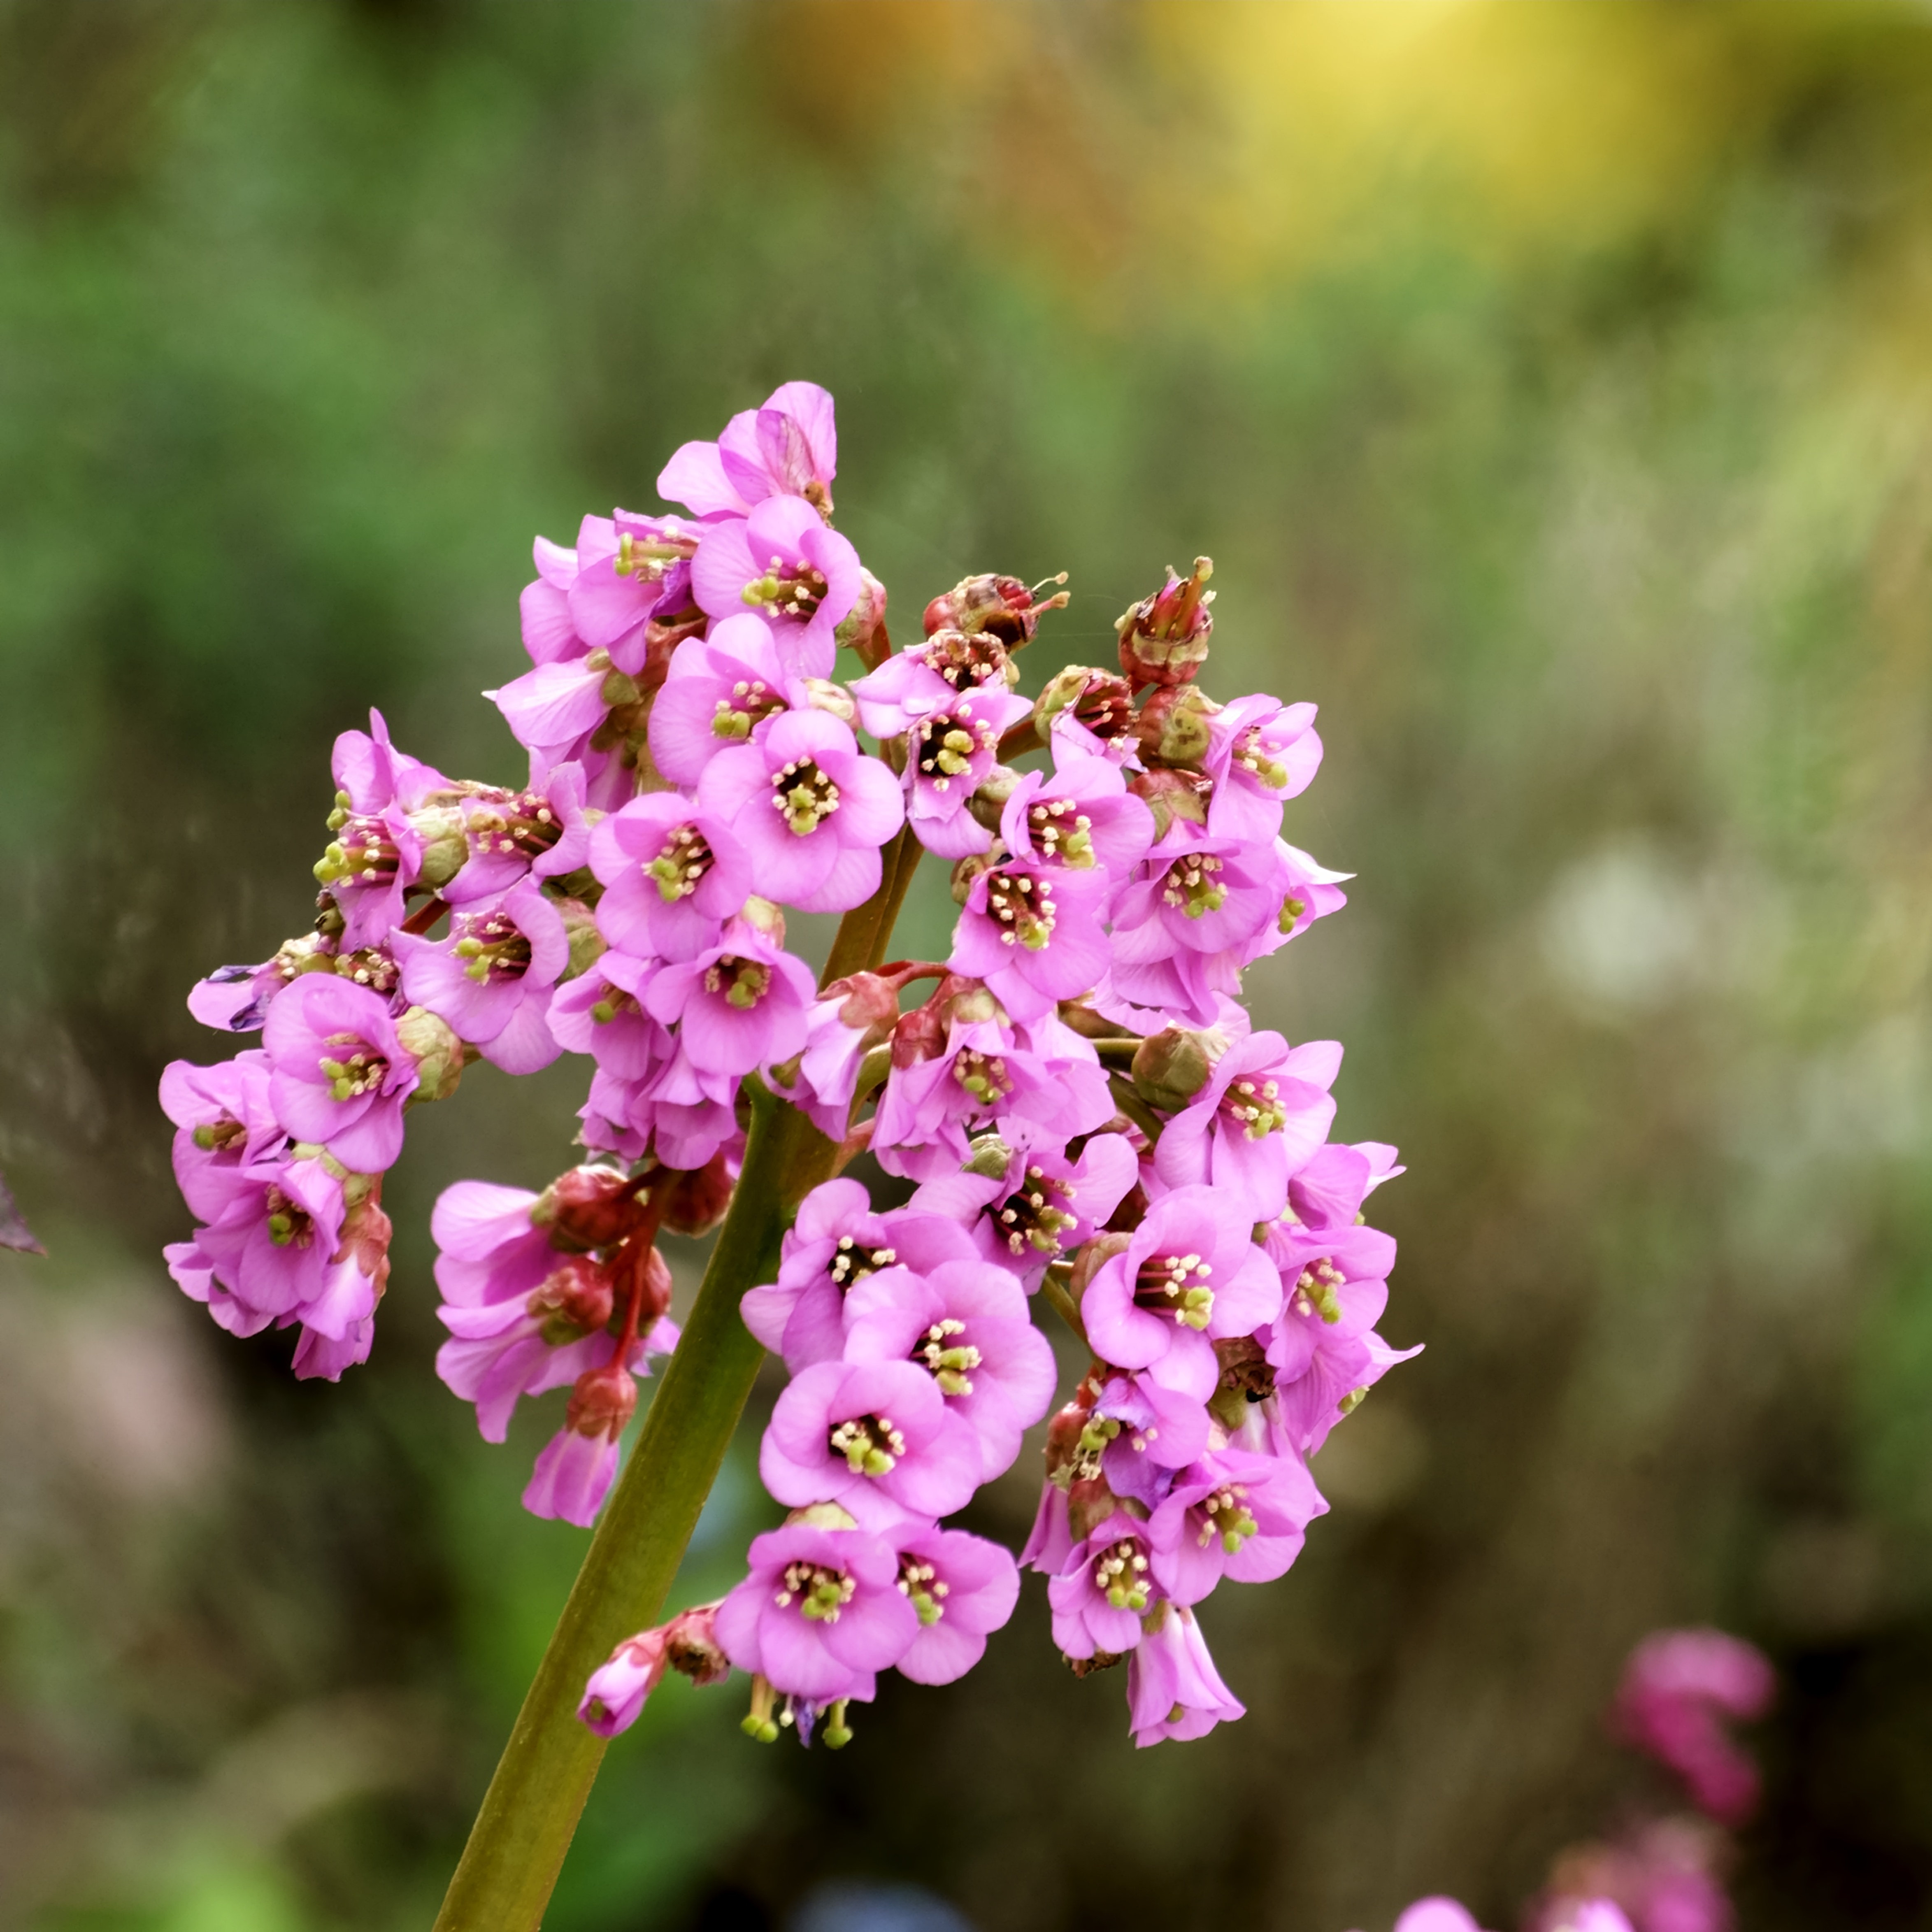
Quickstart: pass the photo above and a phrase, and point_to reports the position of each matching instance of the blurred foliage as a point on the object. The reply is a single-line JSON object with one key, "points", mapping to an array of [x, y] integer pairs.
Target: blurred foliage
{"points": [[1551, 386]]}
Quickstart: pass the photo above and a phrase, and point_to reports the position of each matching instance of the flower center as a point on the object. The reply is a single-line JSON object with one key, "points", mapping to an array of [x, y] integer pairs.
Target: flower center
{"points": [[616, 1000], [786, 590], [1120, 1575], [744, 982], [919, 1581], [983, 1075], [1023, 904], [948, 1362], [361, 1070], [1190, 886], [805, 795], [821, 1593], [947, 744], [1061, 830], [1254, 1109], [372, 966], [1033, 1218], [1316, 1291], [965, 662], [521, 823], [1224, 1514], [681, 862], [1176, 1284], [494, 945], [650, 559], [752, 700], [851, 1263], [361, 854], [871, 1445], [1254, 755], [288, 1224]]}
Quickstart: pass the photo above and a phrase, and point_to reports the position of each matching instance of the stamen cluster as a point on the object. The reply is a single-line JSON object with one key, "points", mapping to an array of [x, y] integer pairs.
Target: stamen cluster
{"points": [[1087, 1119]]}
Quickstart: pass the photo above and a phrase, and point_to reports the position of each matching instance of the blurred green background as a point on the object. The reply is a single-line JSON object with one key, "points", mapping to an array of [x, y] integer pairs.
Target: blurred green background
{"points": [[1553, 387]]}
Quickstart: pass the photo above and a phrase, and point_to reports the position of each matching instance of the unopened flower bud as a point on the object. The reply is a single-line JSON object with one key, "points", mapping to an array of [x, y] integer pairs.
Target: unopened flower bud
{"points": [[691, 1646], [766, 917], [1171, 1066], [871, 1005], [989, 800], [1164, 637], [574, 1300], [653, 1290], [1090, 1502], [966, 870], [601, 1401], [445, 844], [863, 628], [822, 694], [989, 1156], [919, 1035], [1003, 605], [694, 1203], [970, 1002], [587, 944], [1172, 728], [1102, 1248], [439, 1055], [587, 1208], [1098, 700], [1170, 795]]}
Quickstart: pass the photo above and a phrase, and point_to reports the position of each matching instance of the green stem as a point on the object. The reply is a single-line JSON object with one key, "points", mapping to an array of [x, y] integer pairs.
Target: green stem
{"points": [[530, 1813]]}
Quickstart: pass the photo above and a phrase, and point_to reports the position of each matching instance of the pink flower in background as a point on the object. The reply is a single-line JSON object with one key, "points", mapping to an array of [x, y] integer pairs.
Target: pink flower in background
{"points": [[1679, 1687], [820, 1614], [1173, 1689]]}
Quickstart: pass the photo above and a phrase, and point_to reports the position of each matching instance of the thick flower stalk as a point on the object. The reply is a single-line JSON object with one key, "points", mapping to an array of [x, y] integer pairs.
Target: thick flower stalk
{"points": [[1091, 1134]]}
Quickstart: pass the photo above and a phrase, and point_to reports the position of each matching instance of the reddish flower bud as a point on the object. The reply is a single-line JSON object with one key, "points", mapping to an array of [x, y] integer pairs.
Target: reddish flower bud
{"points": [[575, 1297], [601, 1402], [863, 627], [1002, 605], [872, 1006], [653, 1291], [691, 1646], [694, 1203], [1170, 795], [1164, 637], [1172, 728], [588, 1208]]}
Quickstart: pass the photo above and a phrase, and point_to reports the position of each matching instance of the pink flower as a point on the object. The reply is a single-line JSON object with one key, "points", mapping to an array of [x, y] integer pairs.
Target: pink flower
{"points": [[1099, 1599], [950, 752], [1034, 932], [672, 876], [848, 1020], [1173, 1689], [962, 1588], [614, 1697], [966, 1324], [1190, 1276], [539, 833], [1155, 1431], [376, 853], [492, 978], [339, 1076], [1041, 1206], [1231, 1515], [809, 807], [267, 1255], [1335, 1284], [790, 447], [225, 1129], [600, 1013], [1079, 814], [1264, 1112], [1436, 1915], [1260, 753], [835, 1243], [1677, 1688], [574, 1468], [876, 1438], [821, 1613], [782, 561], [926, 677], [738, 1004], [719, 690], [1341, 1370]]}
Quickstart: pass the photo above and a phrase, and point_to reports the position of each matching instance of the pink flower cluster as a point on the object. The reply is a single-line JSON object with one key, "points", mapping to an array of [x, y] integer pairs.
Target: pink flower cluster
{"points": [[1085, 1117]]}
